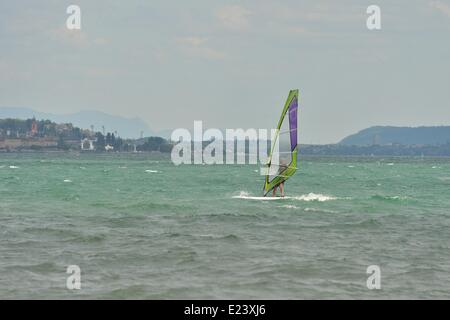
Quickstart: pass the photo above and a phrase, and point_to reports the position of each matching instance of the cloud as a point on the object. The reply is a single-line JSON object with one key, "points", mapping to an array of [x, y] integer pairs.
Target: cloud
{"points": [[98, 72], [440, 6], [11, 72], [198, 46], [76, 38], [303, 32], [233, 17], [192, 41], [73, 37], [101, 41]]}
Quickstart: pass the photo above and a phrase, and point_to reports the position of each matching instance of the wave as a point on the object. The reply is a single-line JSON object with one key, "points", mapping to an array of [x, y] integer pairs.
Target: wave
{"points": [[243, 194], [305, 197], [13, 167], [315, 197], [87, 238], [389, 198], [44, 267], [67, 180], [289, 206], [152, 171], [129, 292], [229, 237], [247, 196], [319, 210]]}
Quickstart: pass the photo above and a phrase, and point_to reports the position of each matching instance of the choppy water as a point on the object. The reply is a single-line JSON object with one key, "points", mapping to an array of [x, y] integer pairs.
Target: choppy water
{"points": [[140, 227]]}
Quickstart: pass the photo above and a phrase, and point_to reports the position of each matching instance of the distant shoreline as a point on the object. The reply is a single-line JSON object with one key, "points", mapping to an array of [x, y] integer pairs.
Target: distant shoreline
{"points": [[158, 153], [2, 151]]}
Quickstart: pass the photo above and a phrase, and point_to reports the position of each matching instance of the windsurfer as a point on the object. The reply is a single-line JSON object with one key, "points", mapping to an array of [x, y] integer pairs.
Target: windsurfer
{"points": [[283, 167]]}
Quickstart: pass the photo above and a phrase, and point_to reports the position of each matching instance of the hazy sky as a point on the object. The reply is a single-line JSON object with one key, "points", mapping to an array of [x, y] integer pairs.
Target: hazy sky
{"points": [[231, 63]]}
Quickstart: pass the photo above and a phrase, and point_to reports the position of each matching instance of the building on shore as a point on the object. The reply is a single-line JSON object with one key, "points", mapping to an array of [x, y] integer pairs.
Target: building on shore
{"points": [[34, 127], [87, 144]]}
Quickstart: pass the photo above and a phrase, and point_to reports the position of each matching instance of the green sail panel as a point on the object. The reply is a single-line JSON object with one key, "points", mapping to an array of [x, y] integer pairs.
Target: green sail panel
{"points": [[282, 162]]}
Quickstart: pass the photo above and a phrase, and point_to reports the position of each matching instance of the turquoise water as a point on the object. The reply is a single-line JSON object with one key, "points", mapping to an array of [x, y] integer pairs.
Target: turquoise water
{"points": [[139, 227]]}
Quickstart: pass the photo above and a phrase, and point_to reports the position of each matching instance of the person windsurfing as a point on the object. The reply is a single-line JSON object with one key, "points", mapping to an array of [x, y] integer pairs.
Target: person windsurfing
{"points": [[275, 178], [282, 167]]}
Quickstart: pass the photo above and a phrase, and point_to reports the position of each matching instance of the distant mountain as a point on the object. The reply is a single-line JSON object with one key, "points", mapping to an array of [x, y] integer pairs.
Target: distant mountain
{"points": [[125, 127], [399, 135]]}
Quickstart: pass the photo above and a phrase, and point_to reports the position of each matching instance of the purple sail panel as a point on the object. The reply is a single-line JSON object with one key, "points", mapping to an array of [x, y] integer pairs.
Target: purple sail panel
{"points": [[293, 122]]}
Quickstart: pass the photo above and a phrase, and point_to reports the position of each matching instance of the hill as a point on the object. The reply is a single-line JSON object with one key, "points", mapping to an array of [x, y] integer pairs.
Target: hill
{"points": [[387, 135]]}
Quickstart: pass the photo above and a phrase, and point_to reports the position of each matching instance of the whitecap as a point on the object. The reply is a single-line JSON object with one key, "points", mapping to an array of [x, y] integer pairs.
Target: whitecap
{"points": [[390, 164], [390, 197], [398, 197], [152, 171], [13, 167], [289, 206], [67, 180], [245, 195], [315, 197]]}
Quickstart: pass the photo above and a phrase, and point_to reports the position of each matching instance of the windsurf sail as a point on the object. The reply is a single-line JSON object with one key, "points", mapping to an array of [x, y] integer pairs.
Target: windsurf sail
{"points": [[282, 162]]}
